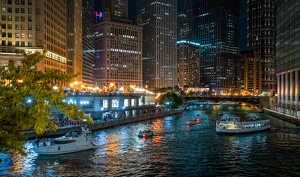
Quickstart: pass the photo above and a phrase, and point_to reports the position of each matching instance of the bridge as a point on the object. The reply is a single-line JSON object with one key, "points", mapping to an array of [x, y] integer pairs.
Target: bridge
{"points": [[245, 99]]}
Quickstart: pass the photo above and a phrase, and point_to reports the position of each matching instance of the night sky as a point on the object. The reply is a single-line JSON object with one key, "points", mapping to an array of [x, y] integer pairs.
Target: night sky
{"points": [[243, 25]]}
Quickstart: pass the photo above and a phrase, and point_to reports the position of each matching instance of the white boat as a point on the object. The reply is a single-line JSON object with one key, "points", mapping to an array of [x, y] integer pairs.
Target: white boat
{"points": [[145, 133], [193, 121], [235, 125], [73, 141]]}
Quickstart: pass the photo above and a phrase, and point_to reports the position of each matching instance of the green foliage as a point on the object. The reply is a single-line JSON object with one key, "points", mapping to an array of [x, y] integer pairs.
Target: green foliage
{"points": [[191, 93], [163, 90], [171, 99], [17, 114]]}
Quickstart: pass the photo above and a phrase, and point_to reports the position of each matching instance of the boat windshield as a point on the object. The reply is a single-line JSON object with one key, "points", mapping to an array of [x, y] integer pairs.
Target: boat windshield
{"points": [[64, 142], [72, 133]]}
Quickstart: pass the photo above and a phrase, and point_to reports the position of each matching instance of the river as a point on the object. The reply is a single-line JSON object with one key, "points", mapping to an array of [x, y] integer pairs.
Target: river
{"points": [[175, 150]]}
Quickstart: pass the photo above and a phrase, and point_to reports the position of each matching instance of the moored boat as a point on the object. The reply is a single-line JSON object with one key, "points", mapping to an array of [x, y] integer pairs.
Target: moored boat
{"points": [[73, 141], [235, 125]]}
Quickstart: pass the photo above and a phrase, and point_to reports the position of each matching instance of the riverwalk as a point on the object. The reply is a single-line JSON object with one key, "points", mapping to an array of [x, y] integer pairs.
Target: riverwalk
{"points": [[289, 118], [98, 126]]}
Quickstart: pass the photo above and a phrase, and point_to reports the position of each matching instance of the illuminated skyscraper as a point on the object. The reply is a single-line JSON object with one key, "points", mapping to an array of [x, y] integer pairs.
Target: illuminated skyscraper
{"points": [[215, 26], [159, 42], [288, 56], [88, 44], [74, 39], [261, 38], [118, 55], [118, 8], [188, 64], [34, 25]]}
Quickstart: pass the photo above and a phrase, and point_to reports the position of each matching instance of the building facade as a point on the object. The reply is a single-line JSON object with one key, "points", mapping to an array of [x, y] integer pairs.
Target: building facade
{"points": [[88, 44], [288, 56], [118, 54], [117, 8], [188, 64], [159, 42], [29, 26], [74, 39], [261, 38], [215, 26], [250, 80]]}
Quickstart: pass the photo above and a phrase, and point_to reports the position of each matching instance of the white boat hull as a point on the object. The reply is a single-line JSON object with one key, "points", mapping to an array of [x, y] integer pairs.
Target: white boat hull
{"points": [[62, 149], [245, 130]]}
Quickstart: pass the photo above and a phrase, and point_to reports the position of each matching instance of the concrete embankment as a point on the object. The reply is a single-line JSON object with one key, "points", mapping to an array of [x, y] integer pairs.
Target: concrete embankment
{"points": [[105, 125], [288, 118]]}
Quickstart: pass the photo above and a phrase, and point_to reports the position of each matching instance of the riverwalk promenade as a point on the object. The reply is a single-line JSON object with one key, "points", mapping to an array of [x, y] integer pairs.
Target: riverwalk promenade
{"points": [[104, 125], [289, 118]]}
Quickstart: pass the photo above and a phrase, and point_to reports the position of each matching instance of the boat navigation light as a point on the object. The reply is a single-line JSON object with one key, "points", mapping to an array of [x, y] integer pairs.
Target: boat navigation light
{"points": [[70, 138]]}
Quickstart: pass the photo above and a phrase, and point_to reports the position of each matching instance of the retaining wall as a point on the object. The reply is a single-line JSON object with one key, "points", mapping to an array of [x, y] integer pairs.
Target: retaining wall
{"points": [[288, 118], [105, 125]]}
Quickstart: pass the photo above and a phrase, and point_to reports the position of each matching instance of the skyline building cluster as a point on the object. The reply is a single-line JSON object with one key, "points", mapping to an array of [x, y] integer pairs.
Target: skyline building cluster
{"points": [[161, 47]]}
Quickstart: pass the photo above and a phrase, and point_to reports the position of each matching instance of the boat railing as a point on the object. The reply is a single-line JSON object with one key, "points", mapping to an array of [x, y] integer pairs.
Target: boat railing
{"points": [[242, 125]]}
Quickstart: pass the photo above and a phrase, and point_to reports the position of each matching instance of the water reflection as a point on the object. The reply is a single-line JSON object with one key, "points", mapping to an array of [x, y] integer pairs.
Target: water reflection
{"points": [[176, 149]]}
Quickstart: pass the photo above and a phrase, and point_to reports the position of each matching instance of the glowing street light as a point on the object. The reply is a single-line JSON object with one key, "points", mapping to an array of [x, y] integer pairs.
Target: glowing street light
{"points": [[76, 83], [55, 88], [71, 85]]}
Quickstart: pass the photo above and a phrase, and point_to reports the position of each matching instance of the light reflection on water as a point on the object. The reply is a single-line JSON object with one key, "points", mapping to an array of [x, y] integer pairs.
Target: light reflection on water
{"points": [[175, 149]]}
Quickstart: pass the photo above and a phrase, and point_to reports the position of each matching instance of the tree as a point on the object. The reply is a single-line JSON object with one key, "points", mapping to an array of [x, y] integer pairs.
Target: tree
{"points": [[171, 99], [25, 100], [176, 88]]}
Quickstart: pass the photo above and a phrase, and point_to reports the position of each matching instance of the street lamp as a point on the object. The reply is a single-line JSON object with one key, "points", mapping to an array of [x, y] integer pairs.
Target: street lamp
{"points": [[111, 86], [55, 88]]}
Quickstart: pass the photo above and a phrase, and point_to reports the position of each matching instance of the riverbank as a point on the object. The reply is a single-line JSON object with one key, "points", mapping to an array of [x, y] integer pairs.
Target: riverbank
{"points": [[285, 117], [105, 125]]}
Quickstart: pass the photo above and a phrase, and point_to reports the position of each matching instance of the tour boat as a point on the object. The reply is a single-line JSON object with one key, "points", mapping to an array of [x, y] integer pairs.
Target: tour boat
{"points": [[145, 133], [73, 141], [235, 125], [193, 121]]}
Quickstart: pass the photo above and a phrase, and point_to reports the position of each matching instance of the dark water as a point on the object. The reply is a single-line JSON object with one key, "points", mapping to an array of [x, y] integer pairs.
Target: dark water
{"points": [[175, 150]]}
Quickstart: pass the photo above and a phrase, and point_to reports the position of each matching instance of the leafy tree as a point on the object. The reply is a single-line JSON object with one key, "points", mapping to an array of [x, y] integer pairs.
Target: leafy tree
{"points": [[163, 90], [25, 100], [176, 88], [171, 99]]}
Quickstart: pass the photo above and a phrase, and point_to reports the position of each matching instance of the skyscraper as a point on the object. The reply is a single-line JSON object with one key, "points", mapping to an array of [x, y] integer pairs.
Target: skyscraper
{"points": [[88, 44], [250, 64], [288, 56], [118, 8], [33, 26], [215, 26], [261, 38], [188, 64], [118, 53], [159, 42], [74, 39]]}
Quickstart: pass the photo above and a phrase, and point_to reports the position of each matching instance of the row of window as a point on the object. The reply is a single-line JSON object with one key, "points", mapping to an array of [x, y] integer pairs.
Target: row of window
{"points": [[17, 27], [17, 18], [17, 35], [17, 43], [17, 2], [17, 10]]}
